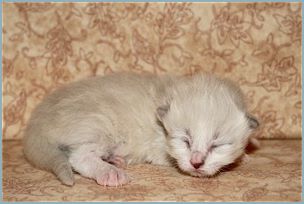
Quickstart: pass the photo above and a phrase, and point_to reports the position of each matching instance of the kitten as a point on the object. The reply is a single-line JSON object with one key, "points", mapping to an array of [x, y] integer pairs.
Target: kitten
{"points": [[98, 125]]}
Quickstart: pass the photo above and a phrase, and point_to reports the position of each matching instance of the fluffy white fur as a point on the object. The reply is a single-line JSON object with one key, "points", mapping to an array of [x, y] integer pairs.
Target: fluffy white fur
{"points": [[98, 125], [210, 115]]}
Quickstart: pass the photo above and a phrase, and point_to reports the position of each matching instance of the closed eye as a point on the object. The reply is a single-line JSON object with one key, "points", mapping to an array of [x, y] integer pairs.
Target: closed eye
{"points": [[219, 145], [186, 140]]}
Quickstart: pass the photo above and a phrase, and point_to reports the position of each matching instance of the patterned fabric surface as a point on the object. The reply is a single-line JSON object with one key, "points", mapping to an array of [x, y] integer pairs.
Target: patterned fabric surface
{"points": [[272, 173], [257, 45]]}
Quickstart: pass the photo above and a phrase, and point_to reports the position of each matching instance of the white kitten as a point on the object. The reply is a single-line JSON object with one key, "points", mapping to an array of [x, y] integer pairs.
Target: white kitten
{"points": [[98, 125]]}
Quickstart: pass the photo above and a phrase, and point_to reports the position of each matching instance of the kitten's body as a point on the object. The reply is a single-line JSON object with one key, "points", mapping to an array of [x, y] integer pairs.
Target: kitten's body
{"points": [[97, 125]]}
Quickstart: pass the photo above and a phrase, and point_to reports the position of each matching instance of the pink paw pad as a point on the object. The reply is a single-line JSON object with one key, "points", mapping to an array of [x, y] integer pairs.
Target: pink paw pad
{"points": [[114, 177]]}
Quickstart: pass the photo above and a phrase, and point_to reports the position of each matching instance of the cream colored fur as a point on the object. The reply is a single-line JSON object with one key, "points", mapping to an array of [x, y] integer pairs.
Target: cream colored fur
{"points": [[213, 112], [119, 119]]}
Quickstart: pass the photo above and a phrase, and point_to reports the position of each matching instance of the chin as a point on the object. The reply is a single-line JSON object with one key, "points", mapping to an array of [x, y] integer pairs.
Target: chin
{"points": [[202, 172], [196, 173]]}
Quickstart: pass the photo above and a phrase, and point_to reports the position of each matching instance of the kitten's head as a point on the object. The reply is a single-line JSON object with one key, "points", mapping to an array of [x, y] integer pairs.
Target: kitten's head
{"points": [[207, 125]]}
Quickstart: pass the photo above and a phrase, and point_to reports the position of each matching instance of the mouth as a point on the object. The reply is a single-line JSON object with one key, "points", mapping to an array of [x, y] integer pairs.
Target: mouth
{"points": [[194, 172], [197, 173], [202, 173]]}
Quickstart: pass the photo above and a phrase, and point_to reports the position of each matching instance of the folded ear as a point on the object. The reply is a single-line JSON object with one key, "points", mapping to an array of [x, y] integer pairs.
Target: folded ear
{"points": [[254, 142], [252, 145], [162, 111], [253, 121]]}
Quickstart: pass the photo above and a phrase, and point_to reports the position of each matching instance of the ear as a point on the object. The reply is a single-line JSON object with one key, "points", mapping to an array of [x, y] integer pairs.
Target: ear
{"points": [[253, 122], [162, 111], [252, 145]]}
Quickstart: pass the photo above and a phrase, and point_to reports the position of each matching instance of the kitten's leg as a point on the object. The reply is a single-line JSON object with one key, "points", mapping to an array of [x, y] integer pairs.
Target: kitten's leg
{"points": [[87, 160]]}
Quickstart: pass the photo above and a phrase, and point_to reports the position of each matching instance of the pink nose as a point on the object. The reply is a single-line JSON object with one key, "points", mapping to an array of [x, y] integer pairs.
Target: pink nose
{"points": [[197, 159], [197, 165]]}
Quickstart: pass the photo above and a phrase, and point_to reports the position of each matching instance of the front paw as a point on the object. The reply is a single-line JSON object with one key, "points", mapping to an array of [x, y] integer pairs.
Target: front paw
{"points": [[113, 177]]}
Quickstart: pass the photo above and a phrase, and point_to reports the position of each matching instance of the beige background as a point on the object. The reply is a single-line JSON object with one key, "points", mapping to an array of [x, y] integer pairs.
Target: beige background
{"points": [[257, 45]]}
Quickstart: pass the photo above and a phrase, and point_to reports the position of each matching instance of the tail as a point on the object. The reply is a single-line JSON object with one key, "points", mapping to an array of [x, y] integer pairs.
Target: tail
{"points": [[48, 157]]}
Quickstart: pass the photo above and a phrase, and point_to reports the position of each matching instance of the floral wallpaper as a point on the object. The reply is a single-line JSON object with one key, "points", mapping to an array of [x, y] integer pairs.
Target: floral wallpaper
{"points": [[258, 45]]}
